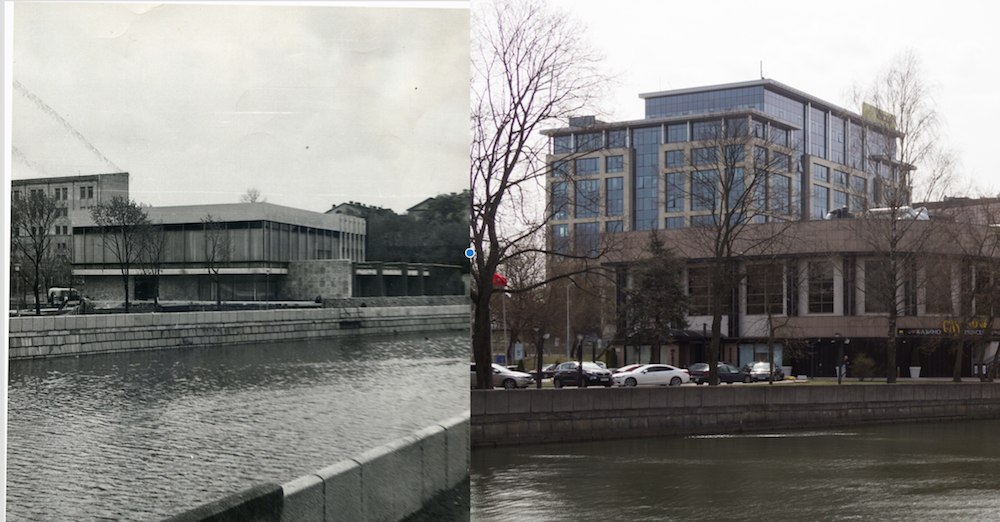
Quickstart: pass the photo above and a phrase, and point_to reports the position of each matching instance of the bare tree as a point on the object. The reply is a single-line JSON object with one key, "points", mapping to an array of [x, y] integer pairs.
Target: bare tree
{"points": [[123, 224], [218, 251], [32, 223], [252, 195], [153, 242], [898, 133], [531, 66], [741, 194]]}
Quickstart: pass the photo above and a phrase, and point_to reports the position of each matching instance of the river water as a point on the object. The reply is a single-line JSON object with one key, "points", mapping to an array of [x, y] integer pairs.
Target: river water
{"points": [[147, 435], [905, 472]]}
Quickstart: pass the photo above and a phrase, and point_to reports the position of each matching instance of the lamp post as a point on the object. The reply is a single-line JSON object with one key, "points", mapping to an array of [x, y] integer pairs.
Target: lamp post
{"points": [[17, 277], [840, 357], [539, 345], [579, 362]]}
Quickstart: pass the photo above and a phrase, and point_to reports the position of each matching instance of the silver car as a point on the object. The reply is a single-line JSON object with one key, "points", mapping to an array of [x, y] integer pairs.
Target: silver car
{"points": [[509, 379]]}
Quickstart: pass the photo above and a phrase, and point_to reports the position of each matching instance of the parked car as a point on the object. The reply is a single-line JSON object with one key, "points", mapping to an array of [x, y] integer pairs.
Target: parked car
{"points": [[567, 374], [727, 373], [652, 375], [547, 371], [507, 378], [759, 371]]}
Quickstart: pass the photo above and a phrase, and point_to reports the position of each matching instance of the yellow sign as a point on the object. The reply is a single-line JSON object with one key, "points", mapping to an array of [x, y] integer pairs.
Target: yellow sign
{"points": [[878, 115]]}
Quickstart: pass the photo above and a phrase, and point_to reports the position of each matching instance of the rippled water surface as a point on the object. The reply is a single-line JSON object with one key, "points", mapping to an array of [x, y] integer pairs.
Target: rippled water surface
{"points": [[147, 435], [925, 472]]}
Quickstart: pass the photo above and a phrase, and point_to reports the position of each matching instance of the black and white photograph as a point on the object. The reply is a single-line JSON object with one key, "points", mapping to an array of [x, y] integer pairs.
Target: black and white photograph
{"points": [[238, 284]]}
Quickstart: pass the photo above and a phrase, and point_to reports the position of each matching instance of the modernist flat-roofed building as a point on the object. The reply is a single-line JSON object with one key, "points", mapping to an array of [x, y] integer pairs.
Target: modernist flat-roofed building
{"points": [[612, 182], [273, 253]]}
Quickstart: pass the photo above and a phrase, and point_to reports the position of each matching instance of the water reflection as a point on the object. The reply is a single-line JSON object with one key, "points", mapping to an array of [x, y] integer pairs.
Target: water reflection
{"points": [[885, 473], [145, 435]]}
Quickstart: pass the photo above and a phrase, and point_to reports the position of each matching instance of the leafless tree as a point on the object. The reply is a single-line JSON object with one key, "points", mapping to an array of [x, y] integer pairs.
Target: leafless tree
{"points": [[531, 66], [897, 134], [252, 195], [33, 218], [153, 241], [218, 251], [740, 191], [124, 225]]}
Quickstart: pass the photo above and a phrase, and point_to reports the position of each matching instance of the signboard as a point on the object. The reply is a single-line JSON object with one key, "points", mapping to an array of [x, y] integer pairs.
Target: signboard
{"points": [[518, 351]]}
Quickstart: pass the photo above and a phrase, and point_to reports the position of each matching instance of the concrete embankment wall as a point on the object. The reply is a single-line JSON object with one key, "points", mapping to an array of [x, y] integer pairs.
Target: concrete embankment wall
{"points": [[83, 334], [506, 417], [384, 484]]}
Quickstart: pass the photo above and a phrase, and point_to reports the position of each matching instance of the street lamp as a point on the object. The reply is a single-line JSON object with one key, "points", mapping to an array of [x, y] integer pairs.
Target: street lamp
{"points": [[17, 277], [539, 346], [840, 357]]}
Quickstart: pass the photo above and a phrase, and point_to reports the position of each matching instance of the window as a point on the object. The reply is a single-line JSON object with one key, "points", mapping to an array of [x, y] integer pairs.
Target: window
{"points": [[821, 201], [674, 222], [675, 158], [560, 169], [615, 194], [562, 144], [677, 133], [820, 287], [616, 139], [821, 173], [588, 198], [614, 226], [16, 194], [700, 290], [587, 166], [765, 289], [707, 130], [880, 287], [781, 195], [587, 239], [736, 127], [817, 133], [704, 185], [588, 142], [839, 199], [858, 203], [779, 136], [646, 202], [560, 200], [675, 192], [705, 156], [560, 239], [840, 178], [737, 186], [613, 164], [782, 162]]}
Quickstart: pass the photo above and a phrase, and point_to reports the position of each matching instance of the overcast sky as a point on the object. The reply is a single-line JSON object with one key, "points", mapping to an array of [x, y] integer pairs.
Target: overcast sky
{"points": [[821, 48], [313, 105]]}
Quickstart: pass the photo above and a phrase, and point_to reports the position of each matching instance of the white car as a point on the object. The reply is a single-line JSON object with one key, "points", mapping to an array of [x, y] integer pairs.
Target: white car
{"points": [[509, 379], [653, 375]]}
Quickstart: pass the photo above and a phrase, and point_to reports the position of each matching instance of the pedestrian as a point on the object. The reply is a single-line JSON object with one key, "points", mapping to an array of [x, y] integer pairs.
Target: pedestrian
{"points": [[844, 366]]}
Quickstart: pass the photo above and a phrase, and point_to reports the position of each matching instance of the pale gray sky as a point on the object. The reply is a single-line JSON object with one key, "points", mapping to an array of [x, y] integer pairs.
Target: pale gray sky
{"points": [[314, 105], [821, 48]]}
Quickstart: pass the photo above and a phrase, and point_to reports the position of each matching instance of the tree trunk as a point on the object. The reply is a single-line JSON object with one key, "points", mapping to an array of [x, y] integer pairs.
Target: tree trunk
{"points": [[956, 371], [481, 337], [38, 302]]}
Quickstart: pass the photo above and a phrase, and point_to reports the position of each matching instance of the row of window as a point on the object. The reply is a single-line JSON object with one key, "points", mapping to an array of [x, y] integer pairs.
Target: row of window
{"points": [[59, 193]]}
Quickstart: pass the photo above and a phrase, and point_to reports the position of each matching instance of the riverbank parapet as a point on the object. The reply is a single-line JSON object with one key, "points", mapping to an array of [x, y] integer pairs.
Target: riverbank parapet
{"points": [[511, 417], [387, 483], [70, 335]]}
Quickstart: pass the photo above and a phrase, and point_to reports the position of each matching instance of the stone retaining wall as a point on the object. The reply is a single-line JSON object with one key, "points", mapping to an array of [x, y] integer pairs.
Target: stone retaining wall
{"points": [[55, 336], [384, 484], [505, 417]]}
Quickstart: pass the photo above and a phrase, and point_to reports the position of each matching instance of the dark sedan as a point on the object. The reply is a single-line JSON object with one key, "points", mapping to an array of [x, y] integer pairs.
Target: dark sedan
{"points": [[727, 373], [567, 374]]}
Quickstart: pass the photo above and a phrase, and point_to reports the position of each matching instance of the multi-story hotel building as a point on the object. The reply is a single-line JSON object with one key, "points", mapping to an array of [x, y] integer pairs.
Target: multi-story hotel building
{"points": [[781, 156]]}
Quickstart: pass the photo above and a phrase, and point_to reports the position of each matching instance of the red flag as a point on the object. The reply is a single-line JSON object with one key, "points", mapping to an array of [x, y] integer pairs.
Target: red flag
{"points": [[499, 281]]}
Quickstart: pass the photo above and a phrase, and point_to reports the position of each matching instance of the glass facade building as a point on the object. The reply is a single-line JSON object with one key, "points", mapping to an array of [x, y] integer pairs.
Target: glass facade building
{"points": [[799, 155]]}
